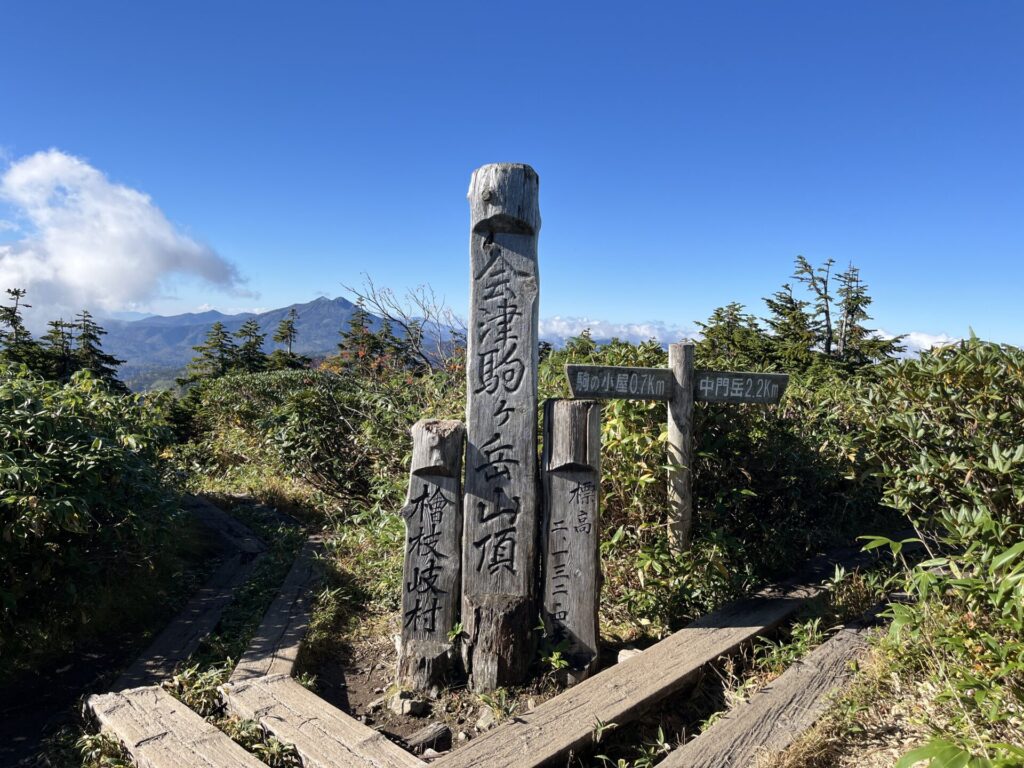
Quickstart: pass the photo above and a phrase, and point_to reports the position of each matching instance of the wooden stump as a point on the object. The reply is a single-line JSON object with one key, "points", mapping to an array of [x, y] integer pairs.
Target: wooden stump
{"points": [[572, 567], [499, 547], [433, 553]]}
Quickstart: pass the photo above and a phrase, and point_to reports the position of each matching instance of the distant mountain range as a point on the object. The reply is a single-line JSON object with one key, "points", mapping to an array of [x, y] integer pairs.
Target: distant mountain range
{"points": [[157, 348]]}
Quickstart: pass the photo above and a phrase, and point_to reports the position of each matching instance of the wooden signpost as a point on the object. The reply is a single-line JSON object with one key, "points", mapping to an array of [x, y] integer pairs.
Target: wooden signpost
{"points": [[433, 557], [680, 385], [572, 569], [500, 536]]}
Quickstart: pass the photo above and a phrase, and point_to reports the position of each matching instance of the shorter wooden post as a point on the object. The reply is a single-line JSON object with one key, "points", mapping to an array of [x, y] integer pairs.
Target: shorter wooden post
{"points": [[433, 553], [680, 446], [572, 568]]}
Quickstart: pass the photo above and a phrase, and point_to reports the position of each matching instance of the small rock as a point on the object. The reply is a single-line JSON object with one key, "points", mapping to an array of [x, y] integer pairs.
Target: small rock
{"points": [[377, 704], [531, 704], [378, 690], [628, 653], [404, 704], [486, 719], [432, 754], [462, 736]]}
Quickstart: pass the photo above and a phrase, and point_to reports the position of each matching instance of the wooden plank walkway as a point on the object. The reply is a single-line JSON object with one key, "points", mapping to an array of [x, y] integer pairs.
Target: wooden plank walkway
{"points": [[275, 646], [774, 717], [619, 694], [161, 732], [323, 736], [199, 617]]}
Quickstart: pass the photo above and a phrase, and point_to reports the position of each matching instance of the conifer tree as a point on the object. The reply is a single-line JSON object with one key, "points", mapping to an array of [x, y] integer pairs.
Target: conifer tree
{"points": [[819, 283], [857, 345], [56, 346], [250, 356], [733, 338], [359, 345], [216, 356], [89, 354], [286, 333], [16, 343], [793, 337]]}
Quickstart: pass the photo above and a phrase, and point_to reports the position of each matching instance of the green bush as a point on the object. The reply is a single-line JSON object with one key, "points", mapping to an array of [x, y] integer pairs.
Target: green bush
{"points": [[772, 485], [82, 499], [947, 432]]}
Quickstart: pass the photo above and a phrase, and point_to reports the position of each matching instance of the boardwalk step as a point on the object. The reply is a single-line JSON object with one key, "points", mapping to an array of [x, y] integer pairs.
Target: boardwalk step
{"points": [[619, 694], [774, 717], [323, 736], [161, 732], [275, 646]]}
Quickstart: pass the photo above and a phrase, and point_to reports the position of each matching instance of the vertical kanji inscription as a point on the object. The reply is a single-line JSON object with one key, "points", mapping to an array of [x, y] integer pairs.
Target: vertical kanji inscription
{"points": [[431, 580], [499, 545], [571, 473]]}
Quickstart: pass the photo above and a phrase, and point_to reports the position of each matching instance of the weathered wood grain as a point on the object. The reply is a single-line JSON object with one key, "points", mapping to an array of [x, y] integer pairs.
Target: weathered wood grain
{"points": [[501, 520], [431, 585], [619, 382], [161, 732], [197, 619], [433, 735], [233, 533], [620, 693], [774, 717], [323, 736], [181, 637], [571, 478], [680, 446], [275, 646], [739, 387]]}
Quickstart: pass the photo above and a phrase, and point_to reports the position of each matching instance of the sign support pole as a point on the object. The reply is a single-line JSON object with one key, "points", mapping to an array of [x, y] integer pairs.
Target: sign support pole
{"points": [[680, 446]]}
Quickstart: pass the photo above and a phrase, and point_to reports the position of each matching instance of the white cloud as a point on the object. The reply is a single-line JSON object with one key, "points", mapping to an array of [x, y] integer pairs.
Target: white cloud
{"points": [[92, 243], [918, 341], [557, 329]]}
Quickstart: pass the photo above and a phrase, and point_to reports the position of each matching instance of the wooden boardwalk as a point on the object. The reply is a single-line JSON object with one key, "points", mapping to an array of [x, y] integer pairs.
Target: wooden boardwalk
{"points": [[774, 717], [160, 732]]}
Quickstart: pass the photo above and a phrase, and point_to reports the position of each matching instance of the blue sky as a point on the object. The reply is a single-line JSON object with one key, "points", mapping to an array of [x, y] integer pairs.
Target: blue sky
{"points": [[687, 151]]}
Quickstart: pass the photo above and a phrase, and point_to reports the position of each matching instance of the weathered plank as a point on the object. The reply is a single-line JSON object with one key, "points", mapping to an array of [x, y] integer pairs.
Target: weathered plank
{"points": [[572, 568], [739, 386], [161, 732], [274, 648], [197, 619], [501, 520], [680, 446], [621, 383], [323, 736], [233, 533], [433, 553], [620, 693], [774, 717]]}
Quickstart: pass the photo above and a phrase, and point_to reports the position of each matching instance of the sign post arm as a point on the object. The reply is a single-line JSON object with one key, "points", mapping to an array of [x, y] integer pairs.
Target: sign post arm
{"points": [[680, 446]]}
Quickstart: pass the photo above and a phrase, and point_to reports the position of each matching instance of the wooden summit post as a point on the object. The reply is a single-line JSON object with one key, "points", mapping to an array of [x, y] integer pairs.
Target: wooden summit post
{"points": [[571, 478], [433, 557], [499, 543]]}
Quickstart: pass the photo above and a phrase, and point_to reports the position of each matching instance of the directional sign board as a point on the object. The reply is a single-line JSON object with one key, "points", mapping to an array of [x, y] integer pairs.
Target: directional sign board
{"points": [[609, 381], [739, 387]]}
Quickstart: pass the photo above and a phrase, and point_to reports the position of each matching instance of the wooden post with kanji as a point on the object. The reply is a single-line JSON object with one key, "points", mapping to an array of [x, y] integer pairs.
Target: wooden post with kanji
{"points": [[433, 558], [501, 525], [571, 479]]}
